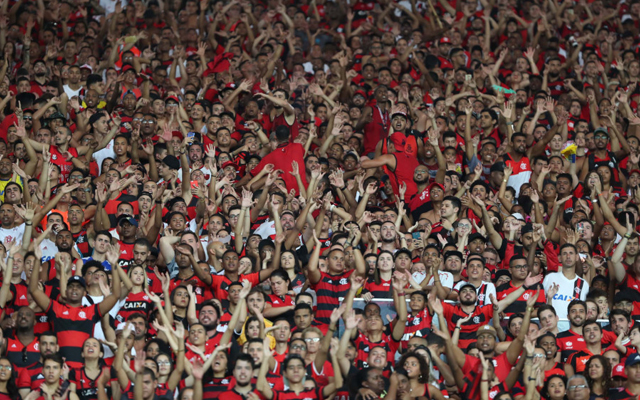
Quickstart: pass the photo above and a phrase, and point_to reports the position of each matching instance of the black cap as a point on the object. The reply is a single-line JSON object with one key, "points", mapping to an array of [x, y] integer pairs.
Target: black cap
{"points": [[466, 284], [528, 227], [171, 162], [453, 253], [477, 236], [127, 218], [77, 279], [500, 273], [497, 167]]}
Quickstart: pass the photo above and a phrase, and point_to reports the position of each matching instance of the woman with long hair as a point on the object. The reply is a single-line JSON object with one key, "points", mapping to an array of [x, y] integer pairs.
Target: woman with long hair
{"points": [[380, 285], [8, 379], [555, 388], [84, 381], [134, 296], [418, 373], [598, 374]]}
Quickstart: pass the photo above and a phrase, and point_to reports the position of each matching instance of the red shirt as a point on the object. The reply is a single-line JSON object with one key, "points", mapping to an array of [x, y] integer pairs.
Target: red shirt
{"points": [[281, 159]]}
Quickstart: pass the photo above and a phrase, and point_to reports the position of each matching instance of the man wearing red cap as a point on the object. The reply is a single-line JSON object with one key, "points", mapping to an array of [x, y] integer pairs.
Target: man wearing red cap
{"points": [[398, 164]]}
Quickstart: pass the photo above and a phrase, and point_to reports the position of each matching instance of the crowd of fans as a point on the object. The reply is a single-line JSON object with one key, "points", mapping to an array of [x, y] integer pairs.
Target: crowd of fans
{"points": [[319, 199]]}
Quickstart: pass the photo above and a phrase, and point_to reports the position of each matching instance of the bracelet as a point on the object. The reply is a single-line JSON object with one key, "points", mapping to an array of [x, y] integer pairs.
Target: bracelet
{"points": [[28, 224], [510, 123], [627, 236], [532, 379], [401, 294], [332, 207], [594, 201], [529, 309], [457, 327], [504, 180], [484, 380], [531, 357], [158, 201], [10, 258]]}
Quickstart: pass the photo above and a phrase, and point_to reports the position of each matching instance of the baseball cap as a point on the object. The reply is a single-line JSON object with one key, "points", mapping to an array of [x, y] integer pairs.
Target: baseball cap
{"points": [[127, 218], [77, 279], [518, 216], [477, 236], [229, 164], [399, 140], [601, 130], [618, 371], [453, 253], [465, 285], [487, 329], [445, 40], [497, 167], [171, 162], [632, 360]]}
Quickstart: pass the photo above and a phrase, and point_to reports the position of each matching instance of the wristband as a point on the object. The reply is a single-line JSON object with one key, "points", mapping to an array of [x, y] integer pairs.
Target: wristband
{"points": [[28, 224], [332, 207], [158, 201], [457, 327], [529, 309], [532, 379], [530, 357], [627, 236], [594, 201], [401, 294]]}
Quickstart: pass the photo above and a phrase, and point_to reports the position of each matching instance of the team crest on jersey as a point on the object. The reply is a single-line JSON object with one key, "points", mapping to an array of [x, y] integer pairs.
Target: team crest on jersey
{"points": [[569, 344], [416, 321], [54, 157], [526, 296], [476, 320], [481, 297], [577, 291], [82, 315], [343, 281]]}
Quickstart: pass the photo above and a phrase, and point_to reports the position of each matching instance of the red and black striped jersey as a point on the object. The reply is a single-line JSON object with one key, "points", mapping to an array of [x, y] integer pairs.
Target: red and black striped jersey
{"points": [[19, 292], [22, 356], [31, 377], [233, 395], [82, 242], [379, 291], [417, 325], [364, 346], [214, 388], [578, 360], [73, 325], [86, 388], [329, 289], [568, 343], [310, 394], [220, 284], [479, 317], [520, 305], [135, 303]]}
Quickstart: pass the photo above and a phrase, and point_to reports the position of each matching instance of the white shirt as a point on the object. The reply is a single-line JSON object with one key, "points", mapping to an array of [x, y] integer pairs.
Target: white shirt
{"points": [[14, 233], [576, 288], [107, 152], [446, 279], [483, 298]]}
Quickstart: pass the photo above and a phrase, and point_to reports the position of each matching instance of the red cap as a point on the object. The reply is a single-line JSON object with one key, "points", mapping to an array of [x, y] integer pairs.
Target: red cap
{"points": [[637, 171], [128, 67], [618, 372], [399, 140], [445, 40], [177, 134], [173, 97], [229, 164]]}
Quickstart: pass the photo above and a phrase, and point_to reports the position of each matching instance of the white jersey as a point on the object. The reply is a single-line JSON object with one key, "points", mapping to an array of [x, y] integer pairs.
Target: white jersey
{"points": [[483, 292], [14, 233], [576, 288], [446, 279]]}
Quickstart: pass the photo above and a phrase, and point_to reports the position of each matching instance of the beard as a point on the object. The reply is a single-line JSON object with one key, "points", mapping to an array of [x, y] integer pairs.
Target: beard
{"points": [[388, 240], [468, 302], [41, 74], [422, 181]]}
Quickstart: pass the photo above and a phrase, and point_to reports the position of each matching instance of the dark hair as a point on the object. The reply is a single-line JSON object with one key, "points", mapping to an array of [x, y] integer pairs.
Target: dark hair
{"points": [[424, 367], [606, 373]]}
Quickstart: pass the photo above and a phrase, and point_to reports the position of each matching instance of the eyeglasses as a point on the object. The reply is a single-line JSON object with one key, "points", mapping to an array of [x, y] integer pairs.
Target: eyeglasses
{"points": [[576, 387], [148, 121], [137, 119], [161, 363], [312, 340], [6, 367], [538, 355], [29, 118], [600, 136], [464, 226], [520, 267], [298, 347]]}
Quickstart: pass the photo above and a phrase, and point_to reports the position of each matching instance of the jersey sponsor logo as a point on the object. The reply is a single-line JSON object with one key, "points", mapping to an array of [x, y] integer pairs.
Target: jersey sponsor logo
{"points": [[563, 297], [135, 304]]}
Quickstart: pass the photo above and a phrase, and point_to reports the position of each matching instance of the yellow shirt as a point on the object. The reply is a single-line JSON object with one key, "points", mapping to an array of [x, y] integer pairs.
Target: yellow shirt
{"points": [[3, 184], [267, 324]]}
